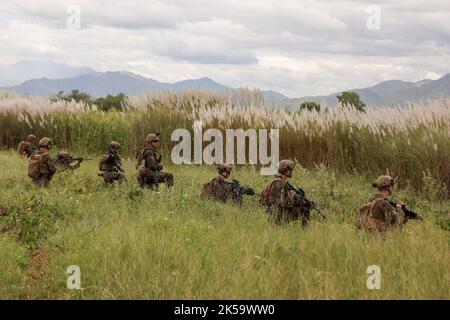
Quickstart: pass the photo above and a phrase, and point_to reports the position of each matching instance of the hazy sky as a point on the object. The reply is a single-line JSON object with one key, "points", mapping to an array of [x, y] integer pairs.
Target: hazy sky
{"points": [[295, 47]]}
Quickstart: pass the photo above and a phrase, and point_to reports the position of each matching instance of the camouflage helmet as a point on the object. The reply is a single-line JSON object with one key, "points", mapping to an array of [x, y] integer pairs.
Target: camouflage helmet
{"points": [[384, 181], [45, 142], [224, 167], [285, 165], [31, 138], [114, 145], [152, 137], [62, 154]]}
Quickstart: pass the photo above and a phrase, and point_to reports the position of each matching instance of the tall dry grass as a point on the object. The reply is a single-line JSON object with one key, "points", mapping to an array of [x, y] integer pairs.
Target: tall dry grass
{"points": [[411, 142]]}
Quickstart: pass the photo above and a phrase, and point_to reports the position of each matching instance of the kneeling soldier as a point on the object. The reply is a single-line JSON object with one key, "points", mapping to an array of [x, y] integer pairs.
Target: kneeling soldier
{"points": [[380, 213], [282, 201], [28, 147], [111, 165], [222, 190], [149, 165], [41, 166], [65, 161]]}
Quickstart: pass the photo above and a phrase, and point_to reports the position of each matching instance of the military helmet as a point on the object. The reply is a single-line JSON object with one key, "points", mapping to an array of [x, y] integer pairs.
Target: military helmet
{"points": [[384, 181], [152, 137], [45, 142], [285, 165], [224, 167], [62, 154], [114, 145], [31, 138]]}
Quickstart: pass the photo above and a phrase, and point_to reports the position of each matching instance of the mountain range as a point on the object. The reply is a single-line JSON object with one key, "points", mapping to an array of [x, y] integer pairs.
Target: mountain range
{"points": [[59, 77], [388, 93], [45, 78]]}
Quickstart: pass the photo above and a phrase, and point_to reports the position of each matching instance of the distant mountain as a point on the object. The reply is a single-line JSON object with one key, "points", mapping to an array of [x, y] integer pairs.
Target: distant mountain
{"points": [[100, 84], [387, 93], [203, 84], [26, 70], [48, 78]]}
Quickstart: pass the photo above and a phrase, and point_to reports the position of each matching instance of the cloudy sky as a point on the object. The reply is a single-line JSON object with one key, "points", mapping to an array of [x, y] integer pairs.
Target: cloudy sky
{"points": [[296, 47]]}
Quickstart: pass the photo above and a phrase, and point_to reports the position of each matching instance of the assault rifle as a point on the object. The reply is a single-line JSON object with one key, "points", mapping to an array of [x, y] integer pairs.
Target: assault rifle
{"points": [[238, 189], [80, 159], [305, 202], [409, 213], [117, 164]]}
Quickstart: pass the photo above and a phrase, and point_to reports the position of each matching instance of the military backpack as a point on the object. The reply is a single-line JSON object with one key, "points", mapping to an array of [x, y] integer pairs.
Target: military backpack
{"points": [[36, 165]]}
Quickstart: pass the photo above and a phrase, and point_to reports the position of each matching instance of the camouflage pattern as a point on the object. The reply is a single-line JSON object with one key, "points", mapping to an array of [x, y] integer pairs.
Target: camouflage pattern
{"points": [[114, 145], [221, 190], [111, 167], [152, 137], [27, 148], [111, 176], [224, 168], [150, 173], [285, 165], [64, 161], [46, 169], [283, 204], [45, 142], [380, 215], [383, 182]]}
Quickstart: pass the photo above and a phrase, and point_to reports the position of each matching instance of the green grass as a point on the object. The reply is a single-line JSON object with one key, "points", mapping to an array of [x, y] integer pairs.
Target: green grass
{"points": [[159, 245]]}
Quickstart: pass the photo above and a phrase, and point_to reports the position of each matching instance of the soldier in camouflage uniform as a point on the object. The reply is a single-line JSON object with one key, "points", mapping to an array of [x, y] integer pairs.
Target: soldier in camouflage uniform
{"points": [[282, 203], [220, 188], [379, 214], [28, 147], [150, 173], [111, 165], [41, 166], [65, 161]]}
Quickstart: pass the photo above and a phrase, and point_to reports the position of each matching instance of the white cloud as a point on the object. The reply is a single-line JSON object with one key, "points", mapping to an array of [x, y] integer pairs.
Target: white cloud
{"points": [[296, 47]]}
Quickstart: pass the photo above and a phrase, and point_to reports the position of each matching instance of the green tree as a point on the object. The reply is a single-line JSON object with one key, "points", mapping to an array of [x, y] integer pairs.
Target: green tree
{"points": [[111, 102], [310, 106], [75, 95], [351, 99]]}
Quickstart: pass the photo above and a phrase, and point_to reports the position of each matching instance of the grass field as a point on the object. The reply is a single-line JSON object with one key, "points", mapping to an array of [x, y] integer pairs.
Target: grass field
{"points": [[409, 142], [130, 243]]}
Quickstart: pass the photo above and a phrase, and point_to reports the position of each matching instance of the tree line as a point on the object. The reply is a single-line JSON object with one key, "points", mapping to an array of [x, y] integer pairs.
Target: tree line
{"points": [[346, 99], [107, 103]]}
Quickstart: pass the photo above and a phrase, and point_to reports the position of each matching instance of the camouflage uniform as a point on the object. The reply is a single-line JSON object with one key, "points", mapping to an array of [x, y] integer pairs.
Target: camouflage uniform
{"points": [[378, 214], [282, 203], [28, 147], [111, 166], [149, 173], [220, 189], [42, 166], [64, 161]]}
